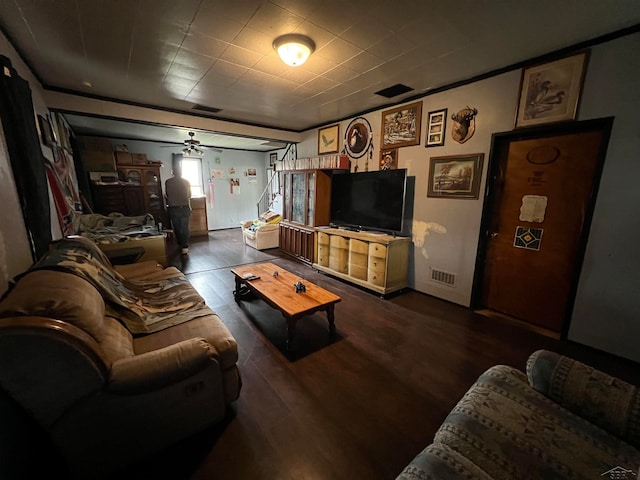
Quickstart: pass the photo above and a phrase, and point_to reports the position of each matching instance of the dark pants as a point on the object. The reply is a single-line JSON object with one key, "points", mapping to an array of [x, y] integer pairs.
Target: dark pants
{"points": [[180, 221]]}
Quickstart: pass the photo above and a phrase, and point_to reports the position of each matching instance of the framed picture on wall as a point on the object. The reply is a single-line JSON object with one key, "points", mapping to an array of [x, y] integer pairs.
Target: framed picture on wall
{"points": [[329, 139], [389, 159], [401, 126], [456, 176], [436, 128], [550, 92], [273, 158], [45, 131]]}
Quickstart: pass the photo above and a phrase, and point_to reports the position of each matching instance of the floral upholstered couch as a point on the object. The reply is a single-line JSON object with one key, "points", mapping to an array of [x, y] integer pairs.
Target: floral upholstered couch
{"points": [[562, 420]]}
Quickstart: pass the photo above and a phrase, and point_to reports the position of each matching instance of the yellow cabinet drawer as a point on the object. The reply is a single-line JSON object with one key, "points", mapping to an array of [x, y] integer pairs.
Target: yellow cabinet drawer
{"points": [[377, 250], [358, 246], [323, 255], [359, 259], [358, 262], [358, 271], [323, 238], [338, 259], [338, 242], [377, 264], [376, 277]]}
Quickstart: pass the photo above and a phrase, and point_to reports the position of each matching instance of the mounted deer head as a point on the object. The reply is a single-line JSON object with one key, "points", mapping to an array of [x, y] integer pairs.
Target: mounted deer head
{"points": [[464, 124]]}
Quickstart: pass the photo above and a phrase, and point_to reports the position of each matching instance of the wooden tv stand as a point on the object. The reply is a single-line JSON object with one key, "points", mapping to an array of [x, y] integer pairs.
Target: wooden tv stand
{"points": [[376, 261]]}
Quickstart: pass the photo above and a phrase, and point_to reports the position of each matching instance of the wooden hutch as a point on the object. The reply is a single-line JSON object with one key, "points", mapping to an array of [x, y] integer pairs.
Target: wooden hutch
{"points": [[306, 201], [138, 190]]}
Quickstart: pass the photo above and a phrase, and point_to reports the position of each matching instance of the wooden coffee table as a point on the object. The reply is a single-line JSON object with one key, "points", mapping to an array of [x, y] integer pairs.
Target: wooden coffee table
{"points": [[279, 292]]}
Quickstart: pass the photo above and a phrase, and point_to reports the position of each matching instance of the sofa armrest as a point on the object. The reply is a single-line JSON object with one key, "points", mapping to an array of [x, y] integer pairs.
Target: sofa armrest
{"points": [[602, 399], [162, 367]]}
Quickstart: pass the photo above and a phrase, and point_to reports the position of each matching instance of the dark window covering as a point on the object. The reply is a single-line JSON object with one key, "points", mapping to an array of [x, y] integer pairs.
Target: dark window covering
{"points": [[25, 156]]}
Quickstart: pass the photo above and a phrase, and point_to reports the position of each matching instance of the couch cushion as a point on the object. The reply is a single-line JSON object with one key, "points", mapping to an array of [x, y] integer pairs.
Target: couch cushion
{"points": [[439, 462], [117, 343], [602, 399], [57, 295], [209, 327]]}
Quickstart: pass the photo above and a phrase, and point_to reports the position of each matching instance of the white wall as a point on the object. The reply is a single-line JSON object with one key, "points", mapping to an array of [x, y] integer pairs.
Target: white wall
{"points": [[446, 232], [224, 209], [607, 309]]}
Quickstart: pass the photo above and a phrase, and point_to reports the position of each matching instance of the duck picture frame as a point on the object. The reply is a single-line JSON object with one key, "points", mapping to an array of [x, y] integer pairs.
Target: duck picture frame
{"points": [[550, 92]]}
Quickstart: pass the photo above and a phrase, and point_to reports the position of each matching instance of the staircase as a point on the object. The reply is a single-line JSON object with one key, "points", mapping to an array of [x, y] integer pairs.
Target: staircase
{"points": [[273, 191]]}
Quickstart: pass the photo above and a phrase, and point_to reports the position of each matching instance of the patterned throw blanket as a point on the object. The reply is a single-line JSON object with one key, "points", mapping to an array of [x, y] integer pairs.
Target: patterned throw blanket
{"points": [[115, 228], [142, 306]]}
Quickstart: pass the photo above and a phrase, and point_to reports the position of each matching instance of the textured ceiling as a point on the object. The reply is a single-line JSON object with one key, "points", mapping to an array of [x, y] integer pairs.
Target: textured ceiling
{"points": [[218, 53]]}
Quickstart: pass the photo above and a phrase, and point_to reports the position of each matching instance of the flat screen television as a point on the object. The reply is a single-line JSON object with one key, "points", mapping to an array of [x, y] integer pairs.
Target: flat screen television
{"points": [[369, 200]]}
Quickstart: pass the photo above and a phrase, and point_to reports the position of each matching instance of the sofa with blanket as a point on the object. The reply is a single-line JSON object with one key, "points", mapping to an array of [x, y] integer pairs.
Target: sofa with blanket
{"points": [[113, 362], [562, 420]]}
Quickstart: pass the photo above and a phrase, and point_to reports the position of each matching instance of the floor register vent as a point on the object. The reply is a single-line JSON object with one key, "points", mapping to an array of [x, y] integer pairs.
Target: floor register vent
{"points": [[443, 277]]}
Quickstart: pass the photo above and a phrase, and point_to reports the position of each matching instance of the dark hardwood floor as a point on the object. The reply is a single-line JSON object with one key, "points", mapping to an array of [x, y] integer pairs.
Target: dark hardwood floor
{"points": [[360, 406]]}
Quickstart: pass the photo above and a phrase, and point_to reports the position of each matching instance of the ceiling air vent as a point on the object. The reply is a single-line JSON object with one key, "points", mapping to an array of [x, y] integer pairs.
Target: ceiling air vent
{"points": [[443, 277], [394, 90], [204, 108], [274, 144]]}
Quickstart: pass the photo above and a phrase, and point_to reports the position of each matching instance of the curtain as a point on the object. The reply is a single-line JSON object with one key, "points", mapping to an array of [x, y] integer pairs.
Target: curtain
{"points": [[25, 156]]}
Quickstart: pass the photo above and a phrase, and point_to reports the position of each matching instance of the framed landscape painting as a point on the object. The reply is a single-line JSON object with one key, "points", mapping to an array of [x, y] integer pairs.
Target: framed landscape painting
{"points": [[455, 176], [401, 126], [550, 92]]}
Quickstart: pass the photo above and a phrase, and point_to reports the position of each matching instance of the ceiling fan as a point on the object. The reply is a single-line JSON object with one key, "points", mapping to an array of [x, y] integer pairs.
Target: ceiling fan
{"points": [[192, 146]]}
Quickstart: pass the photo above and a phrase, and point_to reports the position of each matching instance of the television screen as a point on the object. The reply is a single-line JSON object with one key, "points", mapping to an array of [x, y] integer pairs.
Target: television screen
{"points": [[369, 200]]}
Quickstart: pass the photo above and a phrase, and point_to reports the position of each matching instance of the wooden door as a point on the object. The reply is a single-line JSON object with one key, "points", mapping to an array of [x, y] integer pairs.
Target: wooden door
{"points": [[537, 220]]}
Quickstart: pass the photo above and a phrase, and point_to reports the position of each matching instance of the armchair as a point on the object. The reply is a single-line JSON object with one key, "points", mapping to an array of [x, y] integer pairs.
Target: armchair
{"points": [[263, 232]]}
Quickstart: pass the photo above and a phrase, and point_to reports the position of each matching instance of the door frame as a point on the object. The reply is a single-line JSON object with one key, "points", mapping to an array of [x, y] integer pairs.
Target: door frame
{"points": [[499, 149]]}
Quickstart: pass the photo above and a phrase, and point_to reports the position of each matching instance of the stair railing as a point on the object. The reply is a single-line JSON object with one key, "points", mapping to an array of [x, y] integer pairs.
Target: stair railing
{"points": [[265, 202]]}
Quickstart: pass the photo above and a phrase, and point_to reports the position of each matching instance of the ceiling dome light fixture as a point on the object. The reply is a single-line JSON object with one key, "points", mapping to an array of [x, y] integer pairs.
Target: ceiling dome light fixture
{"points": [[294, 49]]}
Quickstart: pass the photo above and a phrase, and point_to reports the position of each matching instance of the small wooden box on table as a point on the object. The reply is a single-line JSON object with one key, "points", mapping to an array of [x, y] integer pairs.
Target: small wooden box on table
{"points": [[279, 292]]}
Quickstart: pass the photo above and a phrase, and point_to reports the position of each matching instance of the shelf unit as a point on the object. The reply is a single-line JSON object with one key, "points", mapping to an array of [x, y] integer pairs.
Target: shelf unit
{"points": [[125, 199], [378, 262], [307, 197], [147, 177]]}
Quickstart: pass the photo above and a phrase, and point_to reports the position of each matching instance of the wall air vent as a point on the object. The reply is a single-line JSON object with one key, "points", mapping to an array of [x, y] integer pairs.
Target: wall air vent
{"points": [[443, 277], [204, 108], [394, 90]]}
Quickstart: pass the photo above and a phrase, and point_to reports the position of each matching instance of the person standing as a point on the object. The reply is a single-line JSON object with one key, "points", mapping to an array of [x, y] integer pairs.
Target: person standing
{"points": [[178, 195]]}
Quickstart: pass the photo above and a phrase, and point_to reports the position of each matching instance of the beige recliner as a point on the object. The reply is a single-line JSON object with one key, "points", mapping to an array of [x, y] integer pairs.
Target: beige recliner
{"points": [[105, 397], [263, 232]]}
